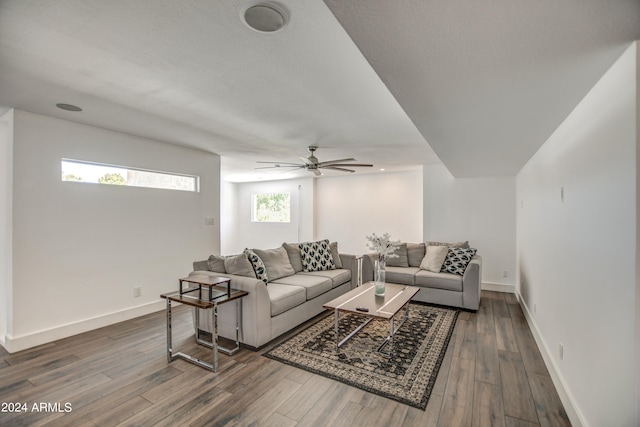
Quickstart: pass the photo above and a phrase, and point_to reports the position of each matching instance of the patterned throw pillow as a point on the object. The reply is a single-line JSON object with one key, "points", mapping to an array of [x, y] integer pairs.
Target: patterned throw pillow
{"points": [[316, 256], [258, 266], [457, 260]]}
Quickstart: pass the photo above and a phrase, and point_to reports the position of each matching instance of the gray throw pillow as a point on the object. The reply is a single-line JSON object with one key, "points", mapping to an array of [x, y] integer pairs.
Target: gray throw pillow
{"points": [[239, 265], [276, 261], [402, 260], [336, 256], [295, 258], [434, 258], [415, 253], [216, 264]]}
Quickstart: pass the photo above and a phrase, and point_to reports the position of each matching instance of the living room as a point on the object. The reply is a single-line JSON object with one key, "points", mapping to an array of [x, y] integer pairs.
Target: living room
{"points": [[560, 233]]}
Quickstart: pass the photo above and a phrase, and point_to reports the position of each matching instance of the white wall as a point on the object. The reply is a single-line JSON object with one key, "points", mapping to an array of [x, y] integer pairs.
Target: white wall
{"points": [[80, 249], [228, 217], [577, 258], [241, 232], [6, 219], [480, 210], [351, 207], [637, 234]]}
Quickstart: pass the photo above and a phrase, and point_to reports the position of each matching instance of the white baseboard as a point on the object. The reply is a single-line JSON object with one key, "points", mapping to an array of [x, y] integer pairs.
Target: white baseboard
{"points": [[23, 342], [498, 287], [573, 411]]}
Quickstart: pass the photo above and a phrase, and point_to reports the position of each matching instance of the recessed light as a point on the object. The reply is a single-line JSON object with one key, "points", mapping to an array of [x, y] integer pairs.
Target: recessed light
{"points": [[68, 107], [265, 17], [381, 169]]}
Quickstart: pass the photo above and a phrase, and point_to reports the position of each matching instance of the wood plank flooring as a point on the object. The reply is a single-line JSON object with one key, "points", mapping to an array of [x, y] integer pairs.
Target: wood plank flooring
{"points": [[492, 375]]}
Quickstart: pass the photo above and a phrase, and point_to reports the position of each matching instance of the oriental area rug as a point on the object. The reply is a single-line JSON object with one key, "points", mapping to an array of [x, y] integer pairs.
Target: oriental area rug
{"points": [[407, 377]]}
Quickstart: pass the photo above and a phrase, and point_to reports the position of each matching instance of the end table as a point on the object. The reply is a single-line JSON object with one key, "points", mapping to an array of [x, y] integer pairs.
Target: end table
{"points": [[200, 303]]}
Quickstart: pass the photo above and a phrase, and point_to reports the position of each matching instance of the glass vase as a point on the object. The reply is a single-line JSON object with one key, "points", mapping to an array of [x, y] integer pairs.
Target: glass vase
{"points": [[380, 276]]}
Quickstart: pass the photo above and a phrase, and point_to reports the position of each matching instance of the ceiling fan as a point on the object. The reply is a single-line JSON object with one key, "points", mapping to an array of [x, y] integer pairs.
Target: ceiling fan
{"points": [[312, 164]]}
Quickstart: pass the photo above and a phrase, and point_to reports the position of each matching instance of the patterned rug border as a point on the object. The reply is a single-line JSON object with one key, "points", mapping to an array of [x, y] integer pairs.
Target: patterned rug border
{"points": [[425, 398]]}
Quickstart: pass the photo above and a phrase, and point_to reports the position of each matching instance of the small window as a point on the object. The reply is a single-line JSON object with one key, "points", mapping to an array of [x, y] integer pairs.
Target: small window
{"points": [[96, 173], [271, 207]]}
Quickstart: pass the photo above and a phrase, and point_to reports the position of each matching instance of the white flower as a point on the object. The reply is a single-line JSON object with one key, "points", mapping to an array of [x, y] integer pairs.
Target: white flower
{"points": [[383, 246]]}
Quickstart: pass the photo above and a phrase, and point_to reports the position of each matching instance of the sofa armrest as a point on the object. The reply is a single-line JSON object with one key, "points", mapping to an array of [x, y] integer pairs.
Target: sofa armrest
{"points": [[368, 261], [350, 262], [201, 265], [471, 284], [256, 309]]}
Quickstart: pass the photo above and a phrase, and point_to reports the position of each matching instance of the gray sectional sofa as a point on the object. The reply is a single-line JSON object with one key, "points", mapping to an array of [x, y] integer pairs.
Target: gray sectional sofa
{"points": [[289, 297], [435, 287]]}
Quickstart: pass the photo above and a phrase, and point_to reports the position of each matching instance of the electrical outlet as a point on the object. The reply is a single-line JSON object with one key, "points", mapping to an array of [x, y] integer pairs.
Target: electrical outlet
{"points": [[561, 351], [137, 291], [505, 274], [209, 220]]}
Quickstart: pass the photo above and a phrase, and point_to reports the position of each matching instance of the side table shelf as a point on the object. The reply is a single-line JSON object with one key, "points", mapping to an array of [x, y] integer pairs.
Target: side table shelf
{"points": [[199, 303]]}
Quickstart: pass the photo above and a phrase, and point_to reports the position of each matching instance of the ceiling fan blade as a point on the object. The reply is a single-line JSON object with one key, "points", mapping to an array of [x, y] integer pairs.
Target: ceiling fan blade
{"points": [[278, 166], [281, 163], [331, 162], [307, 161], [336, 168], [356, 165]]}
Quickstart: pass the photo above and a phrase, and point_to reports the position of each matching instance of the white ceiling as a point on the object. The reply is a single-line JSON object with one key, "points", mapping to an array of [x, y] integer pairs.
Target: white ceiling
{"points": [[484, 82]]}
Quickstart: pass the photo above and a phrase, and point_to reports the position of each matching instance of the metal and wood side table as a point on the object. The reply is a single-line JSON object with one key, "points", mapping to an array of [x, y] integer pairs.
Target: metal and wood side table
{"points": [[197, 302]]}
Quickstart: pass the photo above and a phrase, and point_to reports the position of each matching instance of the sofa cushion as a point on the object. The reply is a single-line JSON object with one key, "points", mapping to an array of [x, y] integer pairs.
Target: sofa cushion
{"points": [[316, 256], [402, 260], [448, 281], [457, 260], [313, 285], [415, 253], [434, 258], [337, 276], [276, 262], [258, 266], [216, 263], [295, 257], [285, 297], [401, 275], [336, 256], [239, 265]]}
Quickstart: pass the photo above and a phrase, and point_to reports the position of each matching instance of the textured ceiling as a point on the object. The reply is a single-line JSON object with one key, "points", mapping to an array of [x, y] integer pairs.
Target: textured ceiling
{"points": [[485, 83]]}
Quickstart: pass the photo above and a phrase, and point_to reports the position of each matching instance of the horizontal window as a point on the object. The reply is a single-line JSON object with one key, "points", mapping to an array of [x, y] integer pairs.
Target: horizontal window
{"points": [[98, 173]]}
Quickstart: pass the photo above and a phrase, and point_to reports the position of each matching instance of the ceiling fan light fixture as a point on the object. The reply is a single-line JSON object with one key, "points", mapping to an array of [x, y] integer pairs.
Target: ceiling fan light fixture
{"points": [[265, 17]]}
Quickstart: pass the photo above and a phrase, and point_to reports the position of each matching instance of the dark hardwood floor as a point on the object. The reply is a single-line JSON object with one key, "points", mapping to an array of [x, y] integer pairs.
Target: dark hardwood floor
{"points": [[492, 375]]}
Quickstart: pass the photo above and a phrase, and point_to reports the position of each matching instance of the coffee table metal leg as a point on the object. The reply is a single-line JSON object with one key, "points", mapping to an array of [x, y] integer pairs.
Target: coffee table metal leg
{"points": [[351, 334], [392, 331], [336, 329]]}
